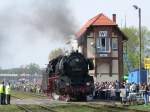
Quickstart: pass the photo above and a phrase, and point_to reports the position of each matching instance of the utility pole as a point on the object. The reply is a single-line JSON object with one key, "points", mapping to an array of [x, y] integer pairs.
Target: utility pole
{"points": [[140, 39]]}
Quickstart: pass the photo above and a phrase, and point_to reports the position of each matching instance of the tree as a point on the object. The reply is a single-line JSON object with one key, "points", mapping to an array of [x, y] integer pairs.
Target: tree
{"points": [[133, 44], [146, 41], [55, 53], [33, 68]]}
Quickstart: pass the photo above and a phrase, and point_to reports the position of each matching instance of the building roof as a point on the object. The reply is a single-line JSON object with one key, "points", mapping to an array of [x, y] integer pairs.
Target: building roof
{"points": [[99, 20]]}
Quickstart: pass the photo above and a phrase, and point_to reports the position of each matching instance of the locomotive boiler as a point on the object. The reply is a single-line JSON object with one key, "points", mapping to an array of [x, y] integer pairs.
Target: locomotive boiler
{"points": [[67, 77]]}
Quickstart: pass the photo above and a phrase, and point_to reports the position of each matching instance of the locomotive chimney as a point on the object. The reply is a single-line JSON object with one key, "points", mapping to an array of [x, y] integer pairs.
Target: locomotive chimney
{"points": [[114, 18]]}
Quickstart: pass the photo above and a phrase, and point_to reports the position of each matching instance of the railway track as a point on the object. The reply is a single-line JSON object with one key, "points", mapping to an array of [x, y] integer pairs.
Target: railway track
{"points": [[17, 97], [49, 108], [36, 108], [109, 107], [46, 108], [24, 108]]}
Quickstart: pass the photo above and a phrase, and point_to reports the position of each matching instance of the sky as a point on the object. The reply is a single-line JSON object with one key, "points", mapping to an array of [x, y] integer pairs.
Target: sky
{"points": [[31, 29], [86, 9]]}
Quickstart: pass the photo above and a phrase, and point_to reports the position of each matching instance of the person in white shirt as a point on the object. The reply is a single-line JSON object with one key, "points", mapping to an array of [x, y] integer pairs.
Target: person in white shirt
{"points": [[7, 92], [123, 95]]}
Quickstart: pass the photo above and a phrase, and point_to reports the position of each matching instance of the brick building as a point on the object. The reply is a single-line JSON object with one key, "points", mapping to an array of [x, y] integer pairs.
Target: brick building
{"points": [[101, 39]]}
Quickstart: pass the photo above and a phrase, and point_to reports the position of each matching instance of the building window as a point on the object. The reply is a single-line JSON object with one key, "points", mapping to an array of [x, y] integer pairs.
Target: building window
{"points": [[103, 42], [114, 44]]}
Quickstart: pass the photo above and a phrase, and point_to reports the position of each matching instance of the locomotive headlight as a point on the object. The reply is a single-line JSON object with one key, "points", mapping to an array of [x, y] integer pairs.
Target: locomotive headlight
{"points": [[87, 83], [67, 84]]}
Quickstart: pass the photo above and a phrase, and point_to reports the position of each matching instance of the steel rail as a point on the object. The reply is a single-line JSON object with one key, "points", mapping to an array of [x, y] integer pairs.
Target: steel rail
{"points": [[23, 107], [46, 108]]}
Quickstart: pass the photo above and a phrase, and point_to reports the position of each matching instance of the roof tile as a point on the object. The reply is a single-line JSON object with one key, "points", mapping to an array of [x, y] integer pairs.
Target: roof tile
{"points": [[98, 20]]}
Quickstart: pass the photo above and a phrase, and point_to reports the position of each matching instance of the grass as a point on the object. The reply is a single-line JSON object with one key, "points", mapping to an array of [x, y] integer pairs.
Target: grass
{"points": [[15, 108], [9, 108], [84, 108], [140, 107], [69, 107], [25, 95], [72, 108]]}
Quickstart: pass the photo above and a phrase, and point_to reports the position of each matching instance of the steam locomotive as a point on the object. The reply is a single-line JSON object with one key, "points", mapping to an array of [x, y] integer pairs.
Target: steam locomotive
{"points": [[67, 77]]}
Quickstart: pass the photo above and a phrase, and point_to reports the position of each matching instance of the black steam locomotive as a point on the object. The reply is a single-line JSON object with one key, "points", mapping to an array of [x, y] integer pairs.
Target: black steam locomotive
{"points": [[68, 77]]}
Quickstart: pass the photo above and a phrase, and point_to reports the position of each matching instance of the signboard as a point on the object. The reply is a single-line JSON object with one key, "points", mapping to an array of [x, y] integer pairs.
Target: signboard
{"points": [[147, 63], [102, 33], [103, 55]]}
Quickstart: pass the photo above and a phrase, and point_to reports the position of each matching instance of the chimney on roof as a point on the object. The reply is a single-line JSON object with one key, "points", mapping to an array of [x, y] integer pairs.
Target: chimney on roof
{"points": [[114, 18]]}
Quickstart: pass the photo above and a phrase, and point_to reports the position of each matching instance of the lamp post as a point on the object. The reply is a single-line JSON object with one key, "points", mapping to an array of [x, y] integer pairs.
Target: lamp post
{"points": [[140, 36]]}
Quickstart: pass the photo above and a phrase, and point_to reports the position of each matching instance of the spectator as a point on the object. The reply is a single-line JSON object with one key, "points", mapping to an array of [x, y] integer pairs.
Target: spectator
{"points": [[2, 93], [146, 94], [123, 95], [7, 92], [133, 87], [113, 94]]}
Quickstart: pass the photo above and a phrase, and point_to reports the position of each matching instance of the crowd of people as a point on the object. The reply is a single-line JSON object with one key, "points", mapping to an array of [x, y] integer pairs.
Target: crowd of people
{"points": [[27, 87], [113, 91], [5, 93], [124, 92]]}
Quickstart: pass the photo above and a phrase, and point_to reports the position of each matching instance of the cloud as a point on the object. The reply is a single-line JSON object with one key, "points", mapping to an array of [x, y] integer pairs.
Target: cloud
{"points": [[24, 22]]}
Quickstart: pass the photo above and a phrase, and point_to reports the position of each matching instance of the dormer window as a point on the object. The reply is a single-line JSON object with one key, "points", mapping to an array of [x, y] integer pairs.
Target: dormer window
{"points": [[103, 42]]}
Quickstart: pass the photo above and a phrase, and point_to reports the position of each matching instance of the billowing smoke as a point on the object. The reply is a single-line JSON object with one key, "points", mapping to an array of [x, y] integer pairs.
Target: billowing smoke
{"points": [[24, 24]]}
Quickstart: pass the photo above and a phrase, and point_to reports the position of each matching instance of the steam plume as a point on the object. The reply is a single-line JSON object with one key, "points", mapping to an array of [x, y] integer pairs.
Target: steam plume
{"points": [[24, 22]]}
